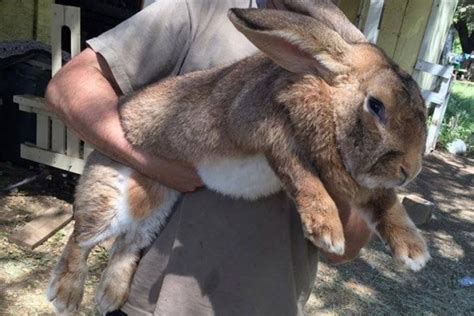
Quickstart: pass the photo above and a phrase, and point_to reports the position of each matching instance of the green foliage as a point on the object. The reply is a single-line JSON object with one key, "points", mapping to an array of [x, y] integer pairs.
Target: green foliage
{"points": [[465, 11], [457, 48], [459, 118], [463, 22]]}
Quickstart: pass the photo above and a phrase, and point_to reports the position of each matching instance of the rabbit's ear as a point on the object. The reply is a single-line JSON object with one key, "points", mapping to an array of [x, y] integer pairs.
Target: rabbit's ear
{"points": [[326, 12], [296, 42]]}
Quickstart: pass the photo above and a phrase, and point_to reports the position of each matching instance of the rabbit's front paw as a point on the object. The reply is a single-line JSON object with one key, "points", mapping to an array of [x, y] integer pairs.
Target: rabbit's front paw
{"points": [[324, 230], [408, 247]]}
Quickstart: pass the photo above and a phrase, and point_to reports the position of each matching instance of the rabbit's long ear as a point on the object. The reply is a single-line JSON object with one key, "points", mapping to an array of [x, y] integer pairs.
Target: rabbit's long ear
{"points": [[296, 42], [326, 12]]}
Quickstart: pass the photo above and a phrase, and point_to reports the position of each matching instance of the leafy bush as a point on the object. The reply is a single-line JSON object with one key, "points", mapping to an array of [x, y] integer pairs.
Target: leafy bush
{"points": [[459, 118]]}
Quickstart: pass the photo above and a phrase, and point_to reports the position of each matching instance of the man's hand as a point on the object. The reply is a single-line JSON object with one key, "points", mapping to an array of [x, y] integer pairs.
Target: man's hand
{"points": [[356, 233], [174, 174], [85, 96]]}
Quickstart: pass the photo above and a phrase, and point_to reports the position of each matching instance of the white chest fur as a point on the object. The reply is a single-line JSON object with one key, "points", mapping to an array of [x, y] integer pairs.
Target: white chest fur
{"points": [[240, 177]]}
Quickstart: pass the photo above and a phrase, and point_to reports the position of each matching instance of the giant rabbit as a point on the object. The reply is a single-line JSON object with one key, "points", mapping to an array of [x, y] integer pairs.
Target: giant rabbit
{"points": [[322, 114]]}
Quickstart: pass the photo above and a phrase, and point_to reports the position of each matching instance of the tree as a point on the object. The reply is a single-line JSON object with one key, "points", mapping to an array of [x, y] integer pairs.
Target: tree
{"points": [[464, 24]]}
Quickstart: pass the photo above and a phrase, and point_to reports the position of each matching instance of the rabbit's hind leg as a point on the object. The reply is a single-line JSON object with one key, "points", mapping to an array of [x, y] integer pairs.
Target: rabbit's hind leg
{"points": [[115, 281], [66, 285], [98, 217]]}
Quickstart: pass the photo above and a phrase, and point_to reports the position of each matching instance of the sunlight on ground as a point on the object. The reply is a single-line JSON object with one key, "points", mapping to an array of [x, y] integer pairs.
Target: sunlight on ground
{"points": [[446, 247]]}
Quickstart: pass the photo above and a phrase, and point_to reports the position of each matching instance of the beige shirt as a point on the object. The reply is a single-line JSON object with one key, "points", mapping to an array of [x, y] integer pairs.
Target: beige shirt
{"points": [[217, 255], [170, 38]]}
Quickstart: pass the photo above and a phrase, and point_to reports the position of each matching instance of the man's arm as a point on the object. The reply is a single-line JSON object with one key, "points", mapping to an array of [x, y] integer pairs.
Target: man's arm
{"points": [[85, 96]]}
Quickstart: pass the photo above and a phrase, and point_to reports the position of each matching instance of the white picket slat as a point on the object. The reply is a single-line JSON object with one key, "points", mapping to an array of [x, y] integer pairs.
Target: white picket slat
{"points": [[87, 150], [42, 131], [372, 20], [434, 69], [72, 144], [56, 28], [432, 97], [439, 98], [58, 136]]}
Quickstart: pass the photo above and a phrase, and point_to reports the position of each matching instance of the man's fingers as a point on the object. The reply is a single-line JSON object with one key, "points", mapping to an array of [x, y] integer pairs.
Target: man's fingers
{"points": [[191, 184], [189, 173], [178, 175], [196, 180]]}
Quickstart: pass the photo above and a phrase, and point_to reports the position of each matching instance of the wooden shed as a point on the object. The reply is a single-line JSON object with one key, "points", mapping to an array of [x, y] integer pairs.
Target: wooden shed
{"points": [[407, 30], [25, 20]]}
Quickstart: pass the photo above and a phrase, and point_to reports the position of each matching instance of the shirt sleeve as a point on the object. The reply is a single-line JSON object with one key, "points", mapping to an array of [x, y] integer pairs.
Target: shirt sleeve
{"points": [[148, 46]]}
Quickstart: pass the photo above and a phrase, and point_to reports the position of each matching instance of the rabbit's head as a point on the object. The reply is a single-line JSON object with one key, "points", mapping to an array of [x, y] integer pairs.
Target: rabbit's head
{"points": [[379, 114], [382, 136]]}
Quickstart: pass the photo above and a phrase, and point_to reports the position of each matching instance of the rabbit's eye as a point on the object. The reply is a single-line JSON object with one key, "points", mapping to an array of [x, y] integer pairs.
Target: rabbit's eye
{"points": [[377, 108], [393, 154]]}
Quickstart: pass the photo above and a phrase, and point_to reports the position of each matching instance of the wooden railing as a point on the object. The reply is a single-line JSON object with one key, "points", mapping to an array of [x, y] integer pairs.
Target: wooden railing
{"points": [[56, 145], [439, 99]]}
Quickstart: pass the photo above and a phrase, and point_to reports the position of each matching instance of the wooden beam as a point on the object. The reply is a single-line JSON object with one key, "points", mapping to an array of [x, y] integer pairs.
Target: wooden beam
{"points": [[60, 161], [436, 122], [72, 18], [72, 144], [58, 136], [87, 150], [30, 101], [69, 16], [37, 231], [56, 26], [435, 69], [439, 98], [372, 19], [33, 104], [432, 97]]}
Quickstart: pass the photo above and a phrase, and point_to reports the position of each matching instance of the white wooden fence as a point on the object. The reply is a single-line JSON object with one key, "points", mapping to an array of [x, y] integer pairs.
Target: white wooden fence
{"points": [[56, 145], [439, 98], [371, 13]]}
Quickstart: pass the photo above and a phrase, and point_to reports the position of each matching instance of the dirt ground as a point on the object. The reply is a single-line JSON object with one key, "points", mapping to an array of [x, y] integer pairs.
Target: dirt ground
{"points": [[24, 273], [370, 284]]}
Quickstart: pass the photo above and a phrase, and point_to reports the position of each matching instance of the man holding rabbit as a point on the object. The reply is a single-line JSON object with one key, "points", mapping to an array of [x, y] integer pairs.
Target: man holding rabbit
{"points": [[216, 255]]}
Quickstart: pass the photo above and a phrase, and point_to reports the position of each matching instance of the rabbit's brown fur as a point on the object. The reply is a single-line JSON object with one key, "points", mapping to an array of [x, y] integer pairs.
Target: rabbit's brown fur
{"points": [[143, 195], [305, 108]]}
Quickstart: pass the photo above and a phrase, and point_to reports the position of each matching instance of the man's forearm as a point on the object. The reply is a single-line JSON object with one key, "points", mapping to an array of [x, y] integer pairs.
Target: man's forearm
{"points": [[86, 101], [84, 96]]}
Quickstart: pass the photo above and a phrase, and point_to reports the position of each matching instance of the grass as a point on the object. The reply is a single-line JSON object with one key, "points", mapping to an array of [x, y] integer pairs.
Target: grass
{"points": [[458, 121]]}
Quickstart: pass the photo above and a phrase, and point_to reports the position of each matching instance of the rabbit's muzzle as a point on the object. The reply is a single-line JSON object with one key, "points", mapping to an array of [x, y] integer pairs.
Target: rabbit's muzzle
{"points": [[390, 171], [410, 170]]}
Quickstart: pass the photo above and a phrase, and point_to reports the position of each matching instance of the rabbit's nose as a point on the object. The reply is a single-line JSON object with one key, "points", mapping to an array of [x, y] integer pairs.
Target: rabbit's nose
{"points": [[403, 175], [409, 171]]}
